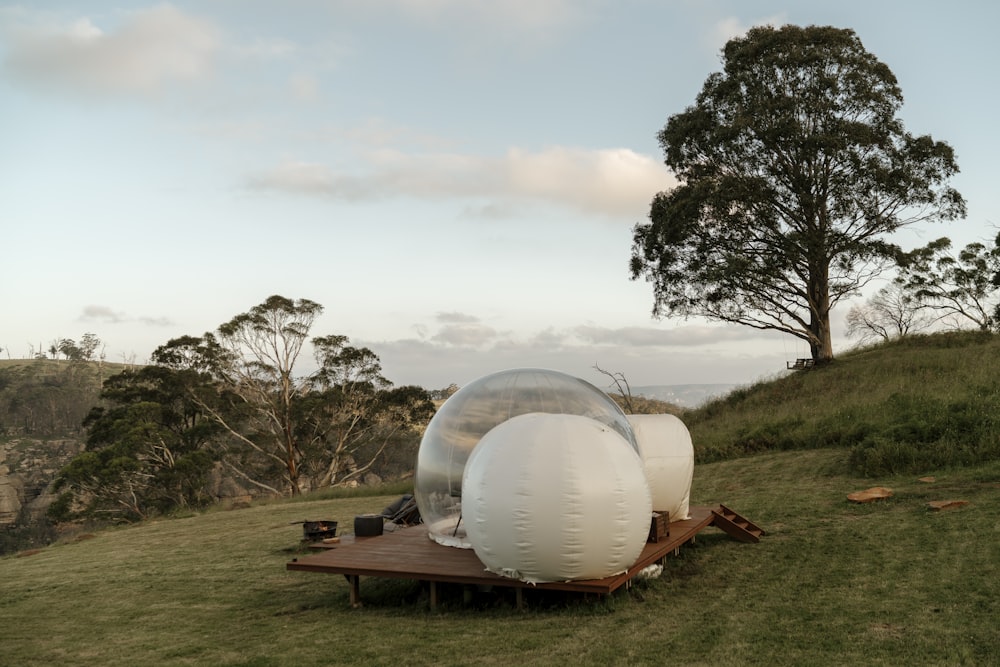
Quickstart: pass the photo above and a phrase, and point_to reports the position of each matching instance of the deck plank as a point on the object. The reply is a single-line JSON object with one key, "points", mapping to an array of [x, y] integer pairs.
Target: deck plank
{"points": [[408, 553]]}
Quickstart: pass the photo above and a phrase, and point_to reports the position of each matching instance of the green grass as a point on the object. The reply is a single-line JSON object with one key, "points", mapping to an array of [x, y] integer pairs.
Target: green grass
{"points": [[836, 583], [923, 401]]}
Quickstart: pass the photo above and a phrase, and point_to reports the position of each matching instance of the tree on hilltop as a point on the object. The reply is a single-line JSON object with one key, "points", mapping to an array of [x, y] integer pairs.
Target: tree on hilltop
{"points": [[891, 313], [962, 286], [792, 168]]}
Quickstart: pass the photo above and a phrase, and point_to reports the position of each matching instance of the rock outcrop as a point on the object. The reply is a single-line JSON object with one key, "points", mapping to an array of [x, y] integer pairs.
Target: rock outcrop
{"points": [[11, 493], [27, 468]]}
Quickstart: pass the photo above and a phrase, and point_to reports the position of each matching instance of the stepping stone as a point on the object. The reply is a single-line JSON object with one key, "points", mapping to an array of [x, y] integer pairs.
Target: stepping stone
{"points": [[870, 495], [938, 505]]}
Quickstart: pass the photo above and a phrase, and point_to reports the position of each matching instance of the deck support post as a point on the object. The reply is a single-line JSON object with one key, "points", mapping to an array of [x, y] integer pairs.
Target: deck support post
{"points": [[355, 582], [434, 595], [519, 598]]}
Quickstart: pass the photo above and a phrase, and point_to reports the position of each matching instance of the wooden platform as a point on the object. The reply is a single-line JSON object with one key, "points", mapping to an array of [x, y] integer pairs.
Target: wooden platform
{"points": [[409, 554]]}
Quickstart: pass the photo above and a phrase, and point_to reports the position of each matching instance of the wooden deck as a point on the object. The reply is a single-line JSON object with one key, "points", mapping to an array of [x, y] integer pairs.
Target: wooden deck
{"points": [[409, 554]]}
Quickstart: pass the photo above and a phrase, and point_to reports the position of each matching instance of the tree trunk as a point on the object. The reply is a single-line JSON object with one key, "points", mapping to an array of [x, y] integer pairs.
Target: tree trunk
{"points": [[821, 343], [823, 349]]}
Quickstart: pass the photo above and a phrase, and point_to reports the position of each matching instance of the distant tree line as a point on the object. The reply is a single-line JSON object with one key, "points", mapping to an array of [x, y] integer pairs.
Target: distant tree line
{"points": [[45, 399], [233, 402], [934, 287]]}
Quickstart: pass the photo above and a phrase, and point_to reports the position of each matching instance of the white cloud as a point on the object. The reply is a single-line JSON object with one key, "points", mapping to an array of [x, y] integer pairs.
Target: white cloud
{"points": [[456, 318], [465, 335], [613, 182], [521, 15], [152, 48], [307, 178], [107, 315], [685, 336], [101, 313], [436, 363]]}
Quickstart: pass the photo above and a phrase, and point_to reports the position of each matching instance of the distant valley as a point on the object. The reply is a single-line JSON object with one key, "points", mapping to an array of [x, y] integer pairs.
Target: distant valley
{"points": [[684, 395]]}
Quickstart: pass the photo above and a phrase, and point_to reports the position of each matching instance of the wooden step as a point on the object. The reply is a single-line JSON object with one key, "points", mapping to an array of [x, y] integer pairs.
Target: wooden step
{"points": [[736, 526]]}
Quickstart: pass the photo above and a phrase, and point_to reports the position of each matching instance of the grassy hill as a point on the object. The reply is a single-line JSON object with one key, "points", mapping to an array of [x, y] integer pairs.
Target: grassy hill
{"points": [[916, 403], [832, 582]]}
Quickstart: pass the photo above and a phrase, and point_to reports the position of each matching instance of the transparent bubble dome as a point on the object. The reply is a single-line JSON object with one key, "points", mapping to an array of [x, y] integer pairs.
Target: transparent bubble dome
{"points": [[476, 408]]}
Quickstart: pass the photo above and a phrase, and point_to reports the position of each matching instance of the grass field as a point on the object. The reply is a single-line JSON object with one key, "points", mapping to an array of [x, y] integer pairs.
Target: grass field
{"points": [[833, 583]]}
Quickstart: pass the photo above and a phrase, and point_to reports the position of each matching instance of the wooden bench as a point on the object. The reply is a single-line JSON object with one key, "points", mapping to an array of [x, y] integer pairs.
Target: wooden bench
{"points": [[800, 364]]}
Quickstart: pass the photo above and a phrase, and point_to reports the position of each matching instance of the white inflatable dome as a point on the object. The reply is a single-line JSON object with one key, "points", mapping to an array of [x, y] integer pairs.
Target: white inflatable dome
{"points": [[475, 409], [668, 458], [555, 498]]}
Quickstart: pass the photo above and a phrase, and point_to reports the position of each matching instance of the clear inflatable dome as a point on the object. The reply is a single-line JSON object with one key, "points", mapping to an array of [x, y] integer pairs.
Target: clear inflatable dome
{"points": [[475, 409]]}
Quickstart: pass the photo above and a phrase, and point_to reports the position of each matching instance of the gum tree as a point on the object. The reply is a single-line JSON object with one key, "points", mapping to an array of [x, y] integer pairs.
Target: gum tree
{"points": [[303, 428], [962, 286], [793, 167]]}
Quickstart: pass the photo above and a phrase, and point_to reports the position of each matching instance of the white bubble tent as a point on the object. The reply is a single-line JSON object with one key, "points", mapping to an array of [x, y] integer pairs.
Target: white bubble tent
{"points": [[546, 479]]}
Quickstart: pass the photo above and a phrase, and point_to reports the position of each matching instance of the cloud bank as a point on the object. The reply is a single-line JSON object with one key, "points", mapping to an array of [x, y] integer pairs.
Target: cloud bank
{"points": [[611, 182], [462, 352], [152, 48]]}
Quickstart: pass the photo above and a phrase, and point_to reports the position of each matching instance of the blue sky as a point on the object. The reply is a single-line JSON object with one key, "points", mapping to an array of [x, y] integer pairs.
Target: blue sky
{"points": [[455, 181]]}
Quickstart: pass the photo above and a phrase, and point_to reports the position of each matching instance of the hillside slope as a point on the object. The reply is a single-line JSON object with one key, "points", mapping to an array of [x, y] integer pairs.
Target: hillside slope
{"points": [[919, 402]]}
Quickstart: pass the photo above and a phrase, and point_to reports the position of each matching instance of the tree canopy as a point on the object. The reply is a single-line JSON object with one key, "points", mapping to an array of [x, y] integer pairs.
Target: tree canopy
{"points": [[148, 450], [962, 286], [304, 427], [793, 167], [236, 402]]}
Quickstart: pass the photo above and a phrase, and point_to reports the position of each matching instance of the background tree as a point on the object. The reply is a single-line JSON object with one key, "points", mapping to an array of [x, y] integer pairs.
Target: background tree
{"points": [[443, 394], [88, 346], [149, 451], [964, 287], [792, 166], [353, 414], [302, 428], [69, 349], [891, 313]]}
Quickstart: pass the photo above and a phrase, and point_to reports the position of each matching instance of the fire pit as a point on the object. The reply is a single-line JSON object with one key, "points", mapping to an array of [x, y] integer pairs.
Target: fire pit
{"points": [[318, 530]]}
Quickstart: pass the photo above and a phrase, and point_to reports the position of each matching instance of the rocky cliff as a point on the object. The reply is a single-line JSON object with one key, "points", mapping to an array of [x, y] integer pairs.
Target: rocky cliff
{"points": [[27, 468]]}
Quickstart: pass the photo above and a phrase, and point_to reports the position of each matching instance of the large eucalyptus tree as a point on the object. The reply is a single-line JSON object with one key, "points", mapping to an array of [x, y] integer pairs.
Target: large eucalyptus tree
{"points": [[793, 166]]}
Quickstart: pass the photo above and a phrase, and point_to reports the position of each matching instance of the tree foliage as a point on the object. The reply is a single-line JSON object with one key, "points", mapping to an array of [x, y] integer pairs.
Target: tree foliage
{"points": [[84, 351], [236, 399], [150, 451], [304, 429], [962, 286], [792, 167]]}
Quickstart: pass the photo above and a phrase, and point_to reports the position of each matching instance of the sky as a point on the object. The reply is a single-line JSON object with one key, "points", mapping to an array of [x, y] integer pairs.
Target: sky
{"points": [[454, 181]]}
